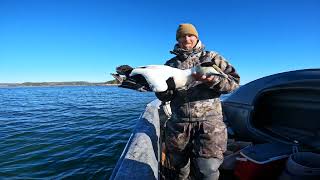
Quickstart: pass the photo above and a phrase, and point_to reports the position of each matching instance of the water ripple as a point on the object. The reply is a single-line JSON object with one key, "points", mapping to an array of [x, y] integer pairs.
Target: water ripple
{"points": [[65, 132]]}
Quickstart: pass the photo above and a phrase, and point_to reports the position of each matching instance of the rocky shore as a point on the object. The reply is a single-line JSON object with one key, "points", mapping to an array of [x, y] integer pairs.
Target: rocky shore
{"points": [[72, 83]]}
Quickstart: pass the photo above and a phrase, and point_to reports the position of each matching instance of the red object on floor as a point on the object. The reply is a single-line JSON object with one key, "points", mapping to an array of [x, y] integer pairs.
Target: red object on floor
{"points": [[248, 170]]}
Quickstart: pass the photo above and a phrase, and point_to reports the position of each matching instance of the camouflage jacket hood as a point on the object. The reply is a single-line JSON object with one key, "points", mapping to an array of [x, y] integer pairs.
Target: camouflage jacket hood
{"points": [[200, 100], [184, 54]]}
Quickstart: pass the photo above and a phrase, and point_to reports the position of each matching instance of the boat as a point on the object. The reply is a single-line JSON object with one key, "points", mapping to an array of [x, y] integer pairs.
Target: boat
{"points": [[141, 155], [283, 108]]}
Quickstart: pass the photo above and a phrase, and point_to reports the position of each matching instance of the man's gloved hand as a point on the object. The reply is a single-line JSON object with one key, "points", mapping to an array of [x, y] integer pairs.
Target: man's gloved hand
{"points": [[169, 93]]}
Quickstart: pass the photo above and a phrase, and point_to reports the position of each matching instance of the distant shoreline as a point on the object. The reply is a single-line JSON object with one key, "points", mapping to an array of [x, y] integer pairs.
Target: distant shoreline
{"points": [[54, 84]]}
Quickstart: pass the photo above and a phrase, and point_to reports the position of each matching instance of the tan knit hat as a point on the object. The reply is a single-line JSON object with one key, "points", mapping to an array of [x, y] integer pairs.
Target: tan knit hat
{"points": [[186, 28]]}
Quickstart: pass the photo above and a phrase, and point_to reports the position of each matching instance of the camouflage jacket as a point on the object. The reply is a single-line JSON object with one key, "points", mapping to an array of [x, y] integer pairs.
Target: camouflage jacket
{"points": [[197, 102]]}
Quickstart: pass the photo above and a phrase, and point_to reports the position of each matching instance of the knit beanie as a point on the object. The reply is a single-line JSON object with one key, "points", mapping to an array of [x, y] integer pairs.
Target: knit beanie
{"points": [[186, 28]]}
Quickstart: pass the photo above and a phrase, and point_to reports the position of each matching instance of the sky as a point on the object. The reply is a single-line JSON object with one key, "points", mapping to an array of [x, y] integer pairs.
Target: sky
{"points": [[85, 40]]}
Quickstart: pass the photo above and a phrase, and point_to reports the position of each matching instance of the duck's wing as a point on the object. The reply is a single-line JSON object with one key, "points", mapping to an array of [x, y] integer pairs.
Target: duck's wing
{"points": [[136, 82]]}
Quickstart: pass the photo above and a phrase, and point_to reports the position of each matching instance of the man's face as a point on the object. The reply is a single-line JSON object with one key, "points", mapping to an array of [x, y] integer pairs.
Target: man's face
{"points": [[187, 41]]}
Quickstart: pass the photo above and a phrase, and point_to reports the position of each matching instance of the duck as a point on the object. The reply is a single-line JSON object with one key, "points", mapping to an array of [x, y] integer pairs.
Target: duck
{"points": [[155, 77]]}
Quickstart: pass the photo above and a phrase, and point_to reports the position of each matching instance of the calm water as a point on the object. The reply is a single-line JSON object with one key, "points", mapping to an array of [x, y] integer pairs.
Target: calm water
{"points": [[65, 132]]}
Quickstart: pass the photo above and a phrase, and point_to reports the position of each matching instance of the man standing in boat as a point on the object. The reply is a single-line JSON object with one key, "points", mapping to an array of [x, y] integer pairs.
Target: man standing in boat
{"points": [[196, 128]]}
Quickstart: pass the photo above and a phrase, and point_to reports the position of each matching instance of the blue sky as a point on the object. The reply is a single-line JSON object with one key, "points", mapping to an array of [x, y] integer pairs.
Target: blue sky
{"points": [[64, 40]]}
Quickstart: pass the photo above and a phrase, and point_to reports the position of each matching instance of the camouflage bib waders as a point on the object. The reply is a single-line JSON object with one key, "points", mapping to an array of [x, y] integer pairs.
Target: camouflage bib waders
{"points": [[196, 125]]}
